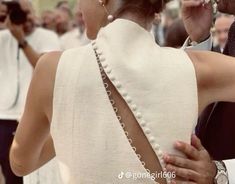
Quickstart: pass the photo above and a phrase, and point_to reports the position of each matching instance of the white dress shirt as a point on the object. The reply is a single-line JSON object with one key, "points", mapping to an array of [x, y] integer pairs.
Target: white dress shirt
{"points": [[72, 39], [15, 74]]}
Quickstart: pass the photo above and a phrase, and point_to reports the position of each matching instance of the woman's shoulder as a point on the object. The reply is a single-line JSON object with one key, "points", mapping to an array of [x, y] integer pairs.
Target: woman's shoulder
{"points": [[47, 64]]}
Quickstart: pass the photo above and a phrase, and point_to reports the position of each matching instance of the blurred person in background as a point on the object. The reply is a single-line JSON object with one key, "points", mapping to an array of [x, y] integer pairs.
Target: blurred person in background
{"points": [[163, 20], [2, 13], [62, 20], [176, 34], [76, 37], [48, 20], [63, 5], [21, 43], [63, 16], [158, 30], [170, 14], [2, 26], [222, 25]]}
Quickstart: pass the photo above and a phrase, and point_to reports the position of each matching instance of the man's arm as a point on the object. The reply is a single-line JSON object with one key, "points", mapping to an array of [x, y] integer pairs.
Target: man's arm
{"points": [[18, 33], [197, 17], [197, 20], [198, 167], [31, 54], [204, 45]]}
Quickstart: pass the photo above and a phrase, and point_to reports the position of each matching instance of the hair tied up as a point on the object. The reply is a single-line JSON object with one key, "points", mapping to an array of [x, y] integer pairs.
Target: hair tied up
{"points": [[153, 1], [157, 5]]}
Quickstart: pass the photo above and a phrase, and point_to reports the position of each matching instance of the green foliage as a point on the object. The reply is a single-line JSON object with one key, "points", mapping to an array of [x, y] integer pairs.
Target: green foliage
{"points": [[41, 5]]}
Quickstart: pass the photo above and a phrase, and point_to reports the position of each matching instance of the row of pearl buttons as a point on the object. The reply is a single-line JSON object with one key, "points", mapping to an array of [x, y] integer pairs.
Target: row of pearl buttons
{"points": [[134, 108]]}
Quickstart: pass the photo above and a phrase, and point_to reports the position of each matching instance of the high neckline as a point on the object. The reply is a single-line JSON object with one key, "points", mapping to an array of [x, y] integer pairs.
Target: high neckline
{"points": [[125, 28]]}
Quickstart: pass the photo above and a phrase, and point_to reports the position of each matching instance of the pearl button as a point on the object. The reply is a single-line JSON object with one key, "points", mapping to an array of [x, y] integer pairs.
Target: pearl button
{"points": [[134, 107], [151, 140], [102, 59], [112, 78], [124, 93], [128, 99], [157, 146], [118, 85], [139, 115], [143, 123], [99, 52], [160, 153], [95, 47], [147, 131], [105, 65], [108, 70]]}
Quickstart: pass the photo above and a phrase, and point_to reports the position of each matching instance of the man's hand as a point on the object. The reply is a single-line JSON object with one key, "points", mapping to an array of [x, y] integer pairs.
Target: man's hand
{"points": [[197, 17], [16, 30], [197, 168]]}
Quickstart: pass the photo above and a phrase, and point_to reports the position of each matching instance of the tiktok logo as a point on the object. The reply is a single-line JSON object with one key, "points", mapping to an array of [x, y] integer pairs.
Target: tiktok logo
{"points": [[121, 175]]}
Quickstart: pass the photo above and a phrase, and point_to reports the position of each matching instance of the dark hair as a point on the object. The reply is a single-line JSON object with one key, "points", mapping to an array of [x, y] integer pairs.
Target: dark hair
{"points": [[146, 8], [175, 34]]}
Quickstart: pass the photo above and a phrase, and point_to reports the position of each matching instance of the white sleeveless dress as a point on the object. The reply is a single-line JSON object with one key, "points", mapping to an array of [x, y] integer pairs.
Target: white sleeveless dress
{"points": [[158, 84], [48, 174]]}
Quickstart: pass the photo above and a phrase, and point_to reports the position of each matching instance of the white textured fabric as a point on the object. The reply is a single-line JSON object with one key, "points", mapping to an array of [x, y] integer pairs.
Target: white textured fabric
{"points": [[160, 82], [41, 40], [48, 174], [205, 45], [230, 165], [73, 39]]}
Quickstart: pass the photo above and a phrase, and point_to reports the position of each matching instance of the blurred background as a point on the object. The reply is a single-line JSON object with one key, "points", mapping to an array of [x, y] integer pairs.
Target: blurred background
{"points": [[65, 19], [42, 5]]}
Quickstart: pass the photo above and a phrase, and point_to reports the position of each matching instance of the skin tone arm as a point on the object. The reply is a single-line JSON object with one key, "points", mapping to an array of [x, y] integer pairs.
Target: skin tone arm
{"points": [[33, 134], [215, 77], [33, 146], [216, 82], [198, 166]]}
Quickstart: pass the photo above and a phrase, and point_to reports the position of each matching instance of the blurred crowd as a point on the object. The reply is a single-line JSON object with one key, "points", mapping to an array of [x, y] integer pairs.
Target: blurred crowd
{"points": [[67, 23], [168, 28], [63, 28]]}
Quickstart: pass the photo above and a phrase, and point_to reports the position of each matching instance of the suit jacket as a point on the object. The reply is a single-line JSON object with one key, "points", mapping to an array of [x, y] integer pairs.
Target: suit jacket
{"points": [[216, 49], [216, 125]]}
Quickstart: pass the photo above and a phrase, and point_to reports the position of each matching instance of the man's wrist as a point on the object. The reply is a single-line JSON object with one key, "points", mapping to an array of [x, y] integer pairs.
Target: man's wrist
{"points": [[23, 43], [194, 42], [221, 176]]}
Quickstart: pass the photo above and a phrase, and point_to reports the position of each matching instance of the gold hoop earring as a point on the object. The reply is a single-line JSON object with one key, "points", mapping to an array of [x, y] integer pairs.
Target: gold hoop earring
{"points": [[110, 17]]}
